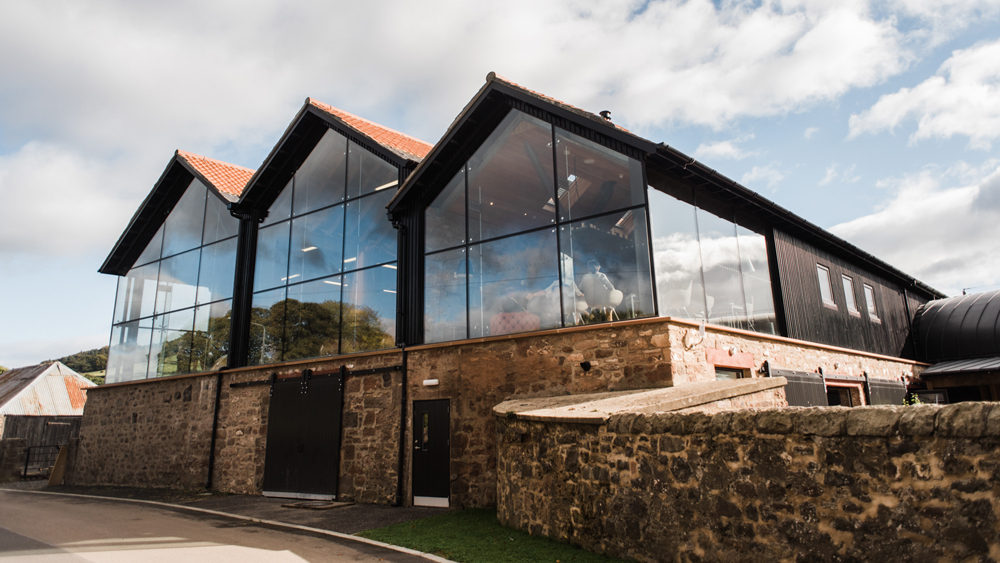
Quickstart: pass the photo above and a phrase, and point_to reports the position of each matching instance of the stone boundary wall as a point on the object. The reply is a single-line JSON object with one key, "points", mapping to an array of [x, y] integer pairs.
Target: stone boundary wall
{"points": [[638, 354], [818, 484], [157, 433]]}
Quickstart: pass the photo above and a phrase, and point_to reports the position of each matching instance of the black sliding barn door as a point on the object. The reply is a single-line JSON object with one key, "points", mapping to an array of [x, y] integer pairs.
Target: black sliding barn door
{"points": [[431, 453], [302, 459]]}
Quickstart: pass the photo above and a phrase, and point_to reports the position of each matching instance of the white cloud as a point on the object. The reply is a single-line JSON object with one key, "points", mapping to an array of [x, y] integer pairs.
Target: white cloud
{"points": [[943, 19], [836, 172], [810, 132], [724, 149], [769, 174], [939, 232], [56, 202], [962, 99]]}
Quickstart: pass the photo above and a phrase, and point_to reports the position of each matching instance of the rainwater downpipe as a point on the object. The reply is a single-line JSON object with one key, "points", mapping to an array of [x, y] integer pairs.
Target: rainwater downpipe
{"points": [[402, 433]]}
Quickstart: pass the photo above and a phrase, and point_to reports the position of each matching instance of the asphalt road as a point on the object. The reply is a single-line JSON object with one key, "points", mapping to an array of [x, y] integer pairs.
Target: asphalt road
{"points": [[38, 528]]}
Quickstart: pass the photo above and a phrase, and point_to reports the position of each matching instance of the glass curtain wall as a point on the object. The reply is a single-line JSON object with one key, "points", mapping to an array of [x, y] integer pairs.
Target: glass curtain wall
{"points": [[707, 266], [173, 307], [325, 276], [540, 229]]}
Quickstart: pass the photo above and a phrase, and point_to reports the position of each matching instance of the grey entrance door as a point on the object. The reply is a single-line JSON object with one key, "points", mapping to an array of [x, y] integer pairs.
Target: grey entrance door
{"points": [[431, 452]]}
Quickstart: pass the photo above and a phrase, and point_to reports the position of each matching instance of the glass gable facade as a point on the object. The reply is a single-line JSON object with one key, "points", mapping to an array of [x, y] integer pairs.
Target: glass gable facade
{"points": [[707, 266], [173, 307], [540, 229], [325, 274]]}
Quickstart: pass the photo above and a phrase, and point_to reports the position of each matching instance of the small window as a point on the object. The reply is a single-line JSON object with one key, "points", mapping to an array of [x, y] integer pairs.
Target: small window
{"points": [[825, 286], [870, 302], [728, 373], [852, 306]]}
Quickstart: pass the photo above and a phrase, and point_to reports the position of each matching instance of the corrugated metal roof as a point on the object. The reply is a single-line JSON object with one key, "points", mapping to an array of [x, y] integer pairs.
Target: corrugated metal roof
{"points": [[43, 390], [964, 366]]}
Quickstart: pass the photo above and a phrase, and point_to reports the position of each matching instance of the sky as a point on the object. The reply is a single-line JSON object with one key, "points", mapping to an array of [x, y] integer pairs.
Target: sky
{"points": [[879, 121]]}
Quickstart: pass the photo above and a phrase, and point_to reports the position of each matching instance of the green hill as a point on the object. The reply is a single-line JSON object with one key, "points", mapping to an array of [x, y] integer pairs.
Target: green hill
{"points": [[86, 362]]}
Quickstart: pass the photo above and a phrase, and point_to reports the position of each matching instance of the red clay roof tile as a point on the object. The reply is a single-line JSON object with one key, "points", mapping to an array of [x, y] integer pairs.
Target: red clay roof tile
{"points": [[228, 179], [410, 147]]}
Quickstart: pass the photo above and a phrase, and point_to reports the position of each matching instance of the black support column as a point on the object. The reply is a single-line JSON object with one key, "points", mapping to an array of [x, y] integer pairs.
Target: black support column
{"points": [[246, 253]]}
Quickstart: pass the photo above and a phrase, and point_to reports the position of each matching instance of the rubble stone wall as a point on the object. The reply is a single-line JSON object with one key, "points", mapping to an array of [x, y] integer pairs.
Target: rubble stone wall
{"points": [[157, 433], [641, 354], [815, 484]]}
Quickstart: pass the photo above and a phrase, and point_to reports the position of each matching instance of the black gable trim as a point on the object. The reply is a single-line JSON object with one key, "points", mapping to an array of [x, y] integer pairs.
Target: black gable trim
{"points": [[147, 219]]}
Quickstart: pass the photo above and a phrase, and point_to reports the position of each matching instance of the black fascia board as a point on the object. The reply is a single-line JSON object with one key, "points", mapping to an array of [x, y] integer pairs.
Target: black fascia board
{"points": [[477, 110], [295, 145], [153, 211], [671, 160]]}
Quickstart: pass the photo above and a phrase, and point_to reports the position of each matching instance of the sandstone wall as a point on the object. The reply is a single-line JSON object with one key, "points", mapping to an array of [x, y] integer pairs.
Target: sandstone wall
{"points": [[157, 433], [641, 354], [818, 484]]}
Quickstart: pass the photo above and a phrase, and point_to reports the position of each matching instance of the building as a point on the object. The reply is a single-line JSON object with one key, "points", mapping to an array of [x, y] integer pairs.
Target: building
{"points": [[41, 408], [308, 345]]}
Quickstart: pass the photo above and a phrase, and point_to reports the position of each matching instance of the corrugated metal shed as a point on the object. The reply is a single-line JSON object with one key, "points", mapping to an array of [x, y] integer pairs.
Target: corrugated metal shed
{"points": [[43, 390]]}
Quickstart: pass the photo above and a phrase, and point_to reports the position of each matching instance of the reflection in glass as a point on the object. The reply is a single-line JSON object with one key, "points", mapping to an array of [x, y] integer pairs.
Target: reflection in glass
{"points": [[514, 284], [317, 243], [676, 257], [606, 269], [368, 173], [756, 281], [369, 310], [136, 293], [369, 236], [267, 317], [271, 265], [182, 228], [510, 179], [312, 319], [594, 179], [720, 257], [178, 282], [152, 251], [210, 346], [218, 269], [319, 182], [128, 355], [219, 224], [281, 209], [444, 296], [445, 216], [172, 344]]}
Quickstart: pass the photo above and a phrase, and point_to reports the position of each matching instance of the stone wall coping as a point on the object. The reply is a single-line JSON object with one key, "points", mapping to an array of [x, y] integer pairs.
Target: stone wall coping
{"points": [[962, 420], [597, 408], [250, 369], [664, 320]]}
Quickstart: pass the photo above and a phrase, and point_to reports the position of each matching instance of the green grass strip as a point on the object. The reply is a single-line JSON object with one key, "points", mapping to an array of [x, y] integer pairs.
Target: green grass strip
{"points": [[475, 536]]}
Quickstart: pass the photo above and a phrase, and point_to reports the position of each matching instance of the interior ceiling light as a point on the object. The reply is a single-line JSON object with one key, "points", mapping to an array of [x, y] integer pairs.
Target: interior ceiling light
{"points": [[390, 266], [293, 276], [350, 260], [389, 185], [307, 249], [388, 291], [330, 282]]}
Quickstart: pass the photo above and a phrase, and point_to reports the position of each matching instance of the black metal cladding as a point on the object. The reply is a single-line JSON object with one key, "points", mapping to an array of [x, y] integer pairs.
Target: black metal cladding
{"points": [[410, 274], [960, 328], [807, 318], [246, 252]]}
